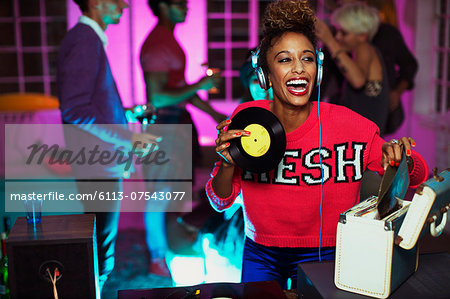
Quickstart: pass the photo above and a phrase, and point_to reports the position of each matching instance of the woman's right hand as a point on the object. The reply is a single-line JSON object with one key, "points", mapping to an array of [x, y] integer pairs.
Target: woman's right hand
{"points": [[222, 141]]}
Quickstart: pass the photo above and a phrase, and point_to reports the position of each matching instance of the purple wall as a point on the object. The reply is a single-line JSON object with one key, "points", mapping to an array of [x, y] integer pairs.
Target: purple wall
{"points": [[413, 125]]}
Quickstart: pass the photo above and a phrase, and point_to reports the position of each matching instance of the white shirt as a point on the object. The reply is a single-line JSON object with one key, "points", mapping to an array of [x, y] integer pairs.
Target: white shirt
{"points": [[96, 27]]}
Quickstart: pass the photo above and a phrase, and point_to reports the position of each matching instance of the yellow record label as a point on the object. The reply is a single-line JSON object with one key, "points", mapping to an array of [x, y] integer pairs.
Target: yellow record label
{"points": [[258, 143]]}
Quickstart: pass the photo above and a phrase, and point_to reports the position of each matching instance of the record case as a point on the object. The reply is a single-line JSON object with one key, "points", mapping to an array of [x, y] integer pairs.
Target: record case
{"points": [[367, 260], [375, 256]]}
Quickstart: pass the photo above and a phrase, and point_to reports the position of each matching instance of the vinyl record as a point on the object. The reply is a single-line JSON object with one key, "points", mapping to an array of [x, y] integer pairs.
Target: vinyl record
{"points": [[265, 147]]}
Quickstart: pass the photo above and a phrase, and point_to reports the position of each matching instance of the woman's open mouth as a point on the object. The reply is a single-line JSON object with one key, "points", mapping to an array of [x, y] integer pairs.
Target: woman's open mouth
{"points": [[297, 87]]}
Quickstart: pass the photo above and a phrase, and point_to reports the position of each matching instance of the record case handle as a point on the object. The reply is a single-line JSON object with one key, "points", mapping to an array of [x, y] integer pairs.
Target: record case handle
{"points": [[436, 231]]}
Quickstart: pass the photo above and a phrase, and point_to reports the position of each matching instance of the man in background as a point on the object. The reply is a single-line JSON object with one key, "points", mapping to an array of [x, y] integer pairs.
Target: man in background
{"points": [[163, 63], [88, 97]]}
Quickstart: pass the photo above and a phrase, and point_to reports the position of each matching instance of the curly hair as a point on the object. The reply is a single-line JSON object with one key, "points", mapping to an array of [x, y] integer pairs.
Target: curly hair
{"points": [[286, 16]]}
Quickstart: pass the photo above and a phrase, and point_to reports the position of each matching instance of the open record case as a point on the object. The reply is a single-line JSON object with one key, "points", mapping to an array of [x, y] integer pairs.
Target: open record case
{"points": [[369, 260]]}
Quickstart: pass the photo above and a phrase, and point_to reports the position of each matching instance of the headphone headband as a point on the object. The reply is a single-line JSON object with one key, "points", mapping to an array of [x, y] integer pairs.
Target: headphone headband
{"points": [[255, 58]]}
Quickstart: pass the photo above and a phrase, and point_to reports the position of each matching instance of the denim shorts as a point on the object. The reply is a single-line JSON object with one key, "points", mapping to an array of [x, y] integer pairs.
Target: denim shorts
{"points": [[262, 263]]}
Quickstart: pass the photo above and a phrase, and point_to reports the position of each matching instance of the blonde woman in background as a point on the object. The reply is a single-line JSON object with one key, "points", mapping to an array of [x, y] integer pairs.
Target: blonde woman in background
{"points": [[366, 89]]}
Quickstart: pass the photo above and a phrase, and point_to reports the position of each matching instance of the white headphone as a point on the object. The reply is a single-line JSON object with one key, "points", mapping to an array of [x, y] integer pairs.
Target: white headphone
{"points": [[262, 77]]}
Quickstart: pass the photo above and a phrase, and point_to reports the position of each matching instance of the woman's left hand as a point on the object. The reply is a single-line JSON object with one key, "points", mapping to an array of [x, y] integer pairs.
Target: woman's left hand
{"points": [[392, 154]]}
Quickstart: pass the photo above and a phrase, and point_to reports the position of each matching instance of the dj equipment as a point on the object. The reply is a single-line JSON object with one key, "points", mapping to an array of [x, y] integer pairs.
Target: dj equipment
{"points": [[257, 289], [263, 78], [367, 260], [263, 82], [65, 245], [320, 57], [376, 239]]}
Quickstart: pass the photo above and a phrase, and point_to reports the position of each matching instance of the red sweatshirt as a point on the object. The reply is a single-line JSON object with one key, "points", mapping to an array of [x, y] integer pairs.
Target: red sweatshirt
{"points": [[282, 207]]}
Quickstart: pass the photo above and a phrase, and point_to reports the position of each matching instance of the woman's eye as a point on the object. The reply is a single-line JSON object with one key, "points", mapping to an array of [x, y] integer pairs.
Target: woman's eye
{"points": [[310, 59], [284, 60]]}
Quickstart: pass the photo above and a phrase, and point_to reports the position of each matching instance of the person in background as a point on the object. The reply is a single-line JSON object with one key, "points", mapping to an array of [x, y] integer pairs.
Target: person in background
{"points": [[250, 82], [366, 89], [401, 65], [365, 86], [88, 96], [401, 68], [284, 208], [163, 64]]}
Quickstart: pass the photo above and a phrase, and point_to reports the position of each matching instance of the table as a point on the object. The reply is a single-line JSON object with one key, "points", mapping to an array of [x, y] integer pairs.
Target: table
{"points": [[432, 280]]}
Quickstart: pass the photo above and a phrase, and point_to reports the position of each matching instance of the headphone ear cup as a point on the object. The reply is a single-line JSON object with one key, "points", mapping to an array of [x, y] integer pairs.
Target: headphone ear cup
{"points": [[320, 58], [319, 74], [262, 80], [260, 75]]}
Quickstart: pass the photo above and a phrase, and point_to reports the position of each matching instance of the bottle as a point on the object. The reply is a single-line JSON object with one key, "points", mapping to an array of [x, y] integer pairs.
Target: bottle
{"points": [[4, 285], [7, 225]]}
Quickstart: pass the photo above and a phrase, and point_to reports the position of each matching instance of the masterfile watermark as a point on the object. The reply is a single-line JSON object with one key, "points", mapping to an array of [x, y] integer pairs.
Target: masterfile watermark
{"points": [[57, 155], [67, 196], [96, 168], [36, 151]]}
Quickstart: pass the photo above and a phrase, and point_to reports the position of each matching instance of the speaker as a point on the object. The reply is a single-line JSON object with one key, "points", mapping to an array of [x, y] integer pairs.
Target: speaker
{"points": [[262, 77], [63, 244]]}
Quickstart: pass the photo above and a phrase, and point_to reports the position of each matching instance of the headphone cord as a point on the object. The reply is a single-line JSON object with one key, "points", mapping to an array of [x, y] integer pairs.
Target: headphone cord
{"points": [[321, 173]]}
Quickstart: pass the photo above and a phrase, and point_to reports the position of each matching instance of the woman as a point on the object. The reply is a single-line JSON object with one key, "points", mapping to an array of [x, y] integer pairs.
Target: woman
{"points": [[282, 208], [366, 89]]}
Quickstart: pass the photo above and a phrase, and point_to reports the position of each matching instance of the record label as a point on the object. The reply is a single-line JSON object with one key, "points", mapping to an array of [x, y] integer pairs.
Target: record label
{"points": [[258, 143]]}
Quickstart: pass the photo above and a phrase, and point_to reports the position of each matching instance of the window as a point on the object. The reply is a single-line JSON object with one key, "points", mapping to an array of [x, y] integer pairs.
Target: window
{"points": [[442, 57], [233, 27], [31, 34]]}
